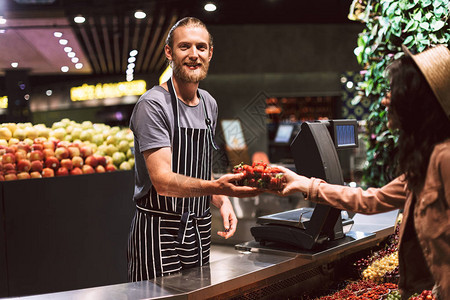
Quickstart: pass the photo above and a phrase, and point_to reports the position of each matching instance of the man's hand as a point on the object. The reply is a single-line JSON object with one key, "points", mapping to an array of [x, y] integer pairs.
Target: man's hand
{"points": [[227, 213], [227, 186]]}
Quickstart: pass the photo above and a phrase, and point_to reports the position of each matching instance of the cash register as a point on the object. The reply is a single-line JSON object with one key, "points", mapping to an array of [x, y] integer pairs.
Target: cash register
{"points": [[314, 152]]}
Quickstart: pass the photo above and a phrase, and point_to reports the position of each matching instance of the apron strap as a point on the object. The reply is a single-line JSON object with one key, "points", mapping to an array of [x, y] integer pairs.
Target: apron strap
{"points": [[174, 98]]}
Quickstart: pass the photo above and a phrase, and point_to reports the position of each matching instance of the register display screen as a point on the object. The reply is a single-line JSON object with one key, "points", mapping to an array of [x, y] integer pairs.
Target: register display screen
{"points": [[284, 133], [345, 135]]}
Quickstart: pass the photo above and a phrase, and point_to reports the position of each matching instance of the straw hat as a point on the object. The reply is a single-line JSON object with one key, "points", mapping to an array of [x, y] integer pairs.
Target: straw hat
{"points": [[435, 66]]}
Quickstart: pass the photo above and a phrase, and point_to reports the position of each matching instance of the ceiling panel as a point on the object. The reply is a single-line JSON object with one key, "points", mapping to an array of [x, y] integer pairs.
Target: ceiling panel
{"points": [[110, 32]]}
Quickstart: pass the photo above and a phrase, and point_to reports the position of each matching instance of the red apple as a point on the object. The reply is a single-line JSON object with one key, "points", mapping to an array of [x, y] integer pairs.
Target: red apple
{"points": [[77, 161], [52, 162], [23, 165], [64, 144], [35, 174], [48, 152], [100, 169], [62, 172], [86, 151], [37, 166], [8, 158], [23, 146], [91, 160], [111, 168], [61, 153], [49, 145], [9, 167], [2, 178], [76, 171], [20, 154], [23, 175], [67, 163], [54, 140], [39, 140], [87, 169], [74, 151], [101, 160], [36, 155], [10, 176], [35, 147], [48, 172], [10, 150]]}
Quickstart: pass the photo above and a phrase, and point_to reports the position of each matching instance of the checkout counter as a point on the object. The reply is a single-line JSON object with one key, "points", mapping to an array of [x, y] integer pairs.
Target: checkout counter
{"points": [[288, 253]]}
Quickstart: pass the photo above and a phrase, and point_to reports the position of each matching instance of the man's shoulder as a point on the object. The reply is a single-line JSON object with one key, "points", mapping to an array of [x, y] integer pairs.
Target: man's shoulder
{"points": [[155, 95]]}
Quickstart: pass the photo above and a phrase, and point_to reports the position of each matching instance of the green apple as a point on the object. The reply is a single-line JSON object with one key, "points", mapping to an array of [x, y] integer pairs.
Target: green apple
{"points": [[125, 166], [123, 146], [118, 158]]}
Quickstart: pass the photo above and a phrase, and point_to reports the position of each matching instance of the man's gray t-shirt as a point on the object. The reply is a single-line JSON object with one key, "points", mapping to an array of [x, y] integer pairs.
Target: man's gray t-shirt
{"points": [[152, 123]]}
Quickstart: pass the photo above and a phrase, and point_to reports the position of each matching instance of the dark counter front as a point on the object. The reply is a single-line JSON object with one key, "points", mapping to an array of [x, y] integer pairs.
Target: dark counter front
{"points": [[64, 233]]}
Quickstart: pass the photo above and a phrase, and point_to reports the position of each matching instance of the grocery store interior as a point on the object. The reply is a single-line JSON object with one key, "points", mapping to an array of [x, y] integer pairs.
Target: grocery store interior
{"points": [[73, 71]]}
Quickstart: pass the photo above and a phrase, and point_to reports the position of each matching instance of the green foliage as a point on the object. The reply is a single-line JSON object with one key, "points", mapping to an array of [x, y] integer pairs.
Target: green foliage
{"points": [[418, 24]]}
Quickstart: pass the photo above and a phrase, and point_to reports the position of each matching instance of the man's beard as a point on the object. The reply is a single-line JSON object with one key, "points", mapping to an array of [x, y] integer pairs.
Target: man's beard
{"points": [[191, 76]]}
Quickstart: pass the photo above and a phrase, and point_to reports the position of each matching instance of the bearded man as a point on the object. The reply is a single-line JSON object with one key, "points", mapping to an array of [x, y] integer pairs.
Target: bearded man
{"points": [[173, 125]]}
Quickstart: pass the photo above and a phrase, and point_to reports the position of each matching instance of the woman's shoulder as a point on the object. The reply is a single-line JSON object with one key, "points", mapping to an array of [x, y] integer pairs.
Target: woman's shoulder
{"points": [[441, 152]]}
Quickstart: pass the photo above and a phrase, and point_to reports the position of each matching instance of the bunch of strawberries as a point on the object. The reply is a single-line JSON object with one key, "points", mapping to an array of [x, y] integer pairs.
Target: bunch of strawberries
{"points": [[260, 175]]}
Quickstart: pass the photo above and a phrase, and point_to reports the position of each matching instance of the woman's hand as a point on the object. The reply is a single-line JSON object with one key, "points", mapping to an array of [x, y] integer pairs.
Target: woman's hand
{"points": [[293, 182]]}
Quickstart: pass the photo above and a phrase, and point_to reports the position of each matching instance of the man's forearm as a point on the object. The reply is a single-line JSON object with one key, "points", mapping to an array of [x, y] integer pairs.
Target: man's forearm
{"points": [[177, 185]]}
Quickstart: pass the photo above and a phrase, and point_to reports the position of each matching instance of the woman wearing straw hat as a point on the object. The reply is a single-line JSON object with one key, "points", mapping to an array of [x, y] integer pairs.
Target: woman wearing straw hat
{"points": [[419, 106]]}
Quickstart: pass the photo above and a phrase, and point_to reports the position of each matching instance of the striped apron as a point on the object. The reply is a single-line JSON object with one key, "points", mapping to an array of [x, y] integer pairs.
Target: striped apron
{"points": [[168, 233]]}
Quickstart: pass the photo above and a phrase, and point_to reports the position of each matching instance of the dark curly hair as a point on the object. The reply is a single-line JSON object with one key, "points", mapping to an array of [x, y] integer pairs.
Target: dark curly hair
{"points": [[421, 120]]}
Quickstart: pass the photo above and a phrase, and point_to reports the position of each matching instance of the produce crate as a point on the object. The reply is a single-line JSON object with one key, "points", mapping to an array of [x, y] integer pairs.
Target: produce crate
{"points": [[64, 233]]}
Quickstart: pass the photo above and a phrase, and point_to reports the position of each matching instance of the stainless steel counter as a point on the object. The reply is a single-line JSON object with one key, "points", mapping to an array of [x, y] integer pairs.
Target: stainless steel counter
{"points": [[243, 273]]}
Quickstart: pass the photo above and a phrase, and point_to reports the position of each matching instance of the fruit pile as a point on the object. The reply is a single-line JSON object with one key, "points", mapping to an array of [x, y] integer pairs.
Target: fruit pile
{"points": [[362, 289], [260, 175], [425, 295], [66, 148], [382, 265]]}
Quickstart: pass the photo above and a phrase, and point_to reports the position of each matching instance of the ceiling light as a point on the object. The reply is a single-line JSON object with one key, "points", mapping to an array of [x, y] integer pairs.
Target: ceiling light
{"points": [[131, 66], [2, 20], [139, 14], [131, 59], [67, 49], [14, 64], [79, 65], [133, 52], [71, 54], [65, 69], [75, 59], [49, 92], [63, 41], [79, 19], [57, 34], [129, 71], [130, 77], [210, 7]]}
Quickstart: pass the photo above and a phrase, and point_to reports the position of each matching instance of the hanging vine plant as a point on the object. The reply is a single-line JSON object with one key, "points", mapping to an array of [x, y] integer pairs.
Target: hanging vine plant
{"points": [[418, 24]]}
